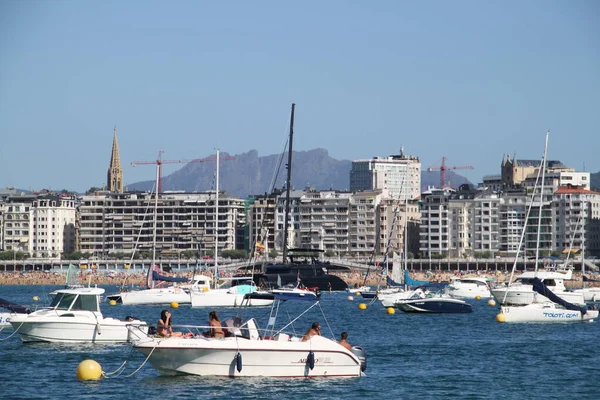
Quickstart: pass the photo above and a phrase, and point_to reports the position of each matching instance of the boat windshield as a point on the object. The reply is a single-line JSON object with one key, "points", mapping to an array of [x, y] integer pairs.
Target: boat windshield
{"points": [[66, 301], [62, 301]]}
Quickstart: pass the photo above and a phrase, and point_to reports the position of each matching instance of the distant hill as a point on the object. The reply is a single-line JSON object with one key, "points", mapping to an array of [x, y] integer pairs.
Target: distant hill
{"points": [[250, 174]]}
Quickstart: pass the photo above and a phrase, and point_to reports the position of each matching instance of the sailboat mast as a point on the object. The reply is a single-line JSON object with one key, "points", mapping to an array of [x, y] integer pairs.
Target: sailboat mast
{"points": [[288, 187], [537, 243], [217, 223]]}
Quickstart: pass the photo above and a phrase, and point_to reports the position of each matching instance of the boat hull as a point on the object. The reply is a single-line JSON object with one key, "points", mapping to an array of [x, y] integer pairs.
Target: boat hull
{"points": [[78, 329], [156, 296], [545, 313], [466, 291], [272, 358], [219, 298], [433, 305]]}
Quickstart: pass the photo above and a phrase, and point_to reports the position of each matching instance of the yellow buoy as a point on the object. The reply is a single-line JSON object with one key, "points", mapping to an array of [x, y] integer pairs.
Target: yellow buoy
{"points": [[35, 298], [362, 306], [357, 293], [112, 302], [391, 310], [491, 302], [477, 297], [89, 370], [174, 304], [501, 317], [350, 298]]}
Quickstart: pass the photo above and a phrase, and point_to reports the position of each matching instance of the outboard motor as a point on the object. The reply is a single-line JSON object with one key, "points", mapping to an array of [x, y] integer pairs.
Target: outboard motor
{"points": [[360, 353]]}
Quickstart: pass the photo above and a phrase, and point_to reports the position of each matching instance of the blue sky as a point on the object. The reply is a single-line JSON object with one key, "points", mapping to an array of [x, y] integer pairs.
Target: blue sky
{"points": [[469, 80]]}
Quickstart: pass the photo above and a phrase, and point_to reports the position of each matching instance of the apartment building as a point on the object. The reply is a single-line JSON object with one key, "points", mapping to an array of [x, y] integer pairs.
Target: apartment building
{"points": [[576, 214], [17, 220], [399, 174], [324, 220], [52, 226], [125, 223]]}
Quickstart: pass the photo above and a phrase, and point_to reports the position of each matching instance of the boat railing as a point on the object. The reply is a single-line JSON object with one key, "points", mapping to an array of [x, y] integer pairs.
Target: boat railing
{"points": [[244, 331]]}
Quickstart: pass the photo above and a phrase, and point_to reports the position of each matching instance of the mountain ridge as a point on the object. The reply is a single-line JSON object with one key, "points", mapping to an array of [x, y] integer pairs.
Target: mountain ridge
{"points": [[250, 174]]}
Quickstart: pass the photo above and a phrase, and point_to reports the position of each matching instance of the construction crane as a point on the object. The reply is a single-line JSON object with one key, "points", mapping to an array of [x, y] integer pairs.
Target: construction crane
{"points": [[443, 168], [159, 162]]}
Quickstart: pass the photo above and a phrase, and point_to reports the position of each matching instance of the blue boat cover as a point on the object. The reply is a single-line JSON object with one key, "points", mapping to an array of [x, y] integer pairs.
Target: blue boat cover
{"points": [[14, 307], [158, 277], [390, 282], [409, 281], [542, 289]]}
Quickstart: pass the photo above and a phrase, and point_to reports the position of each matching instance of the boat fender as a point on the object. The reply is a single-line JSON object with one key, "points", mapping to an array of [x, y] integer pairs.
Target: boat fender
{"points": [[360, 353], [311, 360], [238, 361]]}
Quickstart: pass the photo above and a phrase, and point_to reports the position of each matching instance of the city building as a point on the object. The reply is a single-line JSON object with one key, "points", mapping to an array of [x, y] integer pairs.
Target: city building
{"points": [[399, 175], [120, 223], [52, 226]]}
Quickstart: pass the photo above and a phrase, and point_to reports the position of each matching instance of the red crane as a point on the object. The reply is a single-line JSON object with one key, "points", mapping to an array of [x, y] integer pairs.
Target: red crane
{"points": [[443, 168], [159, 162]]}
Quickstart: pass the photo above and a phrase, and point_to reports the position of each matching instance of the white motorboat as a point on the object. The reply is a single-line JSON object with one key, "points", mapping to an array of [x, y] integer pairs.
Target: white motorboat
{"points": [[468, 288], [74, 316], [295, 292], [520, 292], [230, 295], [424, 301], [358, 289], [179, 293], [11, 310], [247, 350]]}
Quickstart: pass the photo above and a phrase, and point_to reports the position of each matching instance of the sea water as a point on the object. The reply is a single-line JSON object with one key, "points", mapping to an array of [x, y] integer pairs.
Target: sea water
{"points": [[410, 356]]}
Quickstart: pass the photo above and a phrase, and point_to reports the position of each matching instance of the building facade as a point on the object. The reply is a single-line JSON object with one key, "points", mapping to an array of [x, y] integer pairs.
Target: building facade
{"points": [[399, 174]]}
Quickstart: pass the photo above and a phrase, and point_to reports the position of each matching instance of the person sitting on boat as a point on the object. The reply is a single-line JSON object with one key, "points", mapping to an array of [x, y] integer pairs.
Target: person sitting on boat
{"points": [[164, 327], [216, 331], [315, 330], [344, 341]]}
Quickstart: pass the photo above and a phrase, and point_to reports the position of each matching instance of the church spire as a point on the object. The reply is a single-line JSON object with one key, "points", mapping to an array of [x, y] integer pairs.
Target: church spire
{"points": [[115, 172]]}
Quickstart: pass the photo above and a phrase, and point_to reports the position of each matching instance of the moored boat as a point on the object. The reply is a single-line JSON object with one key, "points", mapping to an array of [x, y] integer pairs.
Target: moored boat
{"points": [[74, 316], [433, 303], [247, 350]]}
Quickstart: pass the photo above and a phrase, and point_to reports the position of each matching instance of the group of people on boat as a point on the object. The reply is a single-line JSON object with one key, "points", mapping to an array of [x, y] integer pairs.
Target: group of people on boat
{"points": [[165, 329], [315, 330], [165, 326]]}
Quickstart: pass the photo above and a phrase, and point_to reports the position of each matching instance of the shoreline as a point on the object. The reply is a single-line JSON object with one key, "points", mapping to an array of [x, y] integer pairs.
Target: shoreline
{"points": [[353, 279]]}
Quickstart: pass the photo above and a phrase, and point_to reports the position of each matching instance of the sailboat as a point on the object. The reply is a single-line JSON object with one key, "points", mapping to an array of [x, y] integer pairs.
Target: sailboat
{"points": [[545, 305], [303, 264], [237, 291]]}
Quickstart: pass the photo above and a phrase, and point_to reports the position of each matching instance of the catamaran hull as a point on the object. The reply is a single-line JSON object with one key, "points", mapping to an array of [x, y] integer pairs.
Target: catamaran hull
{"points": [[78, 330], [272, 358], [549, 313], [5, 320], [152, 296]]}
